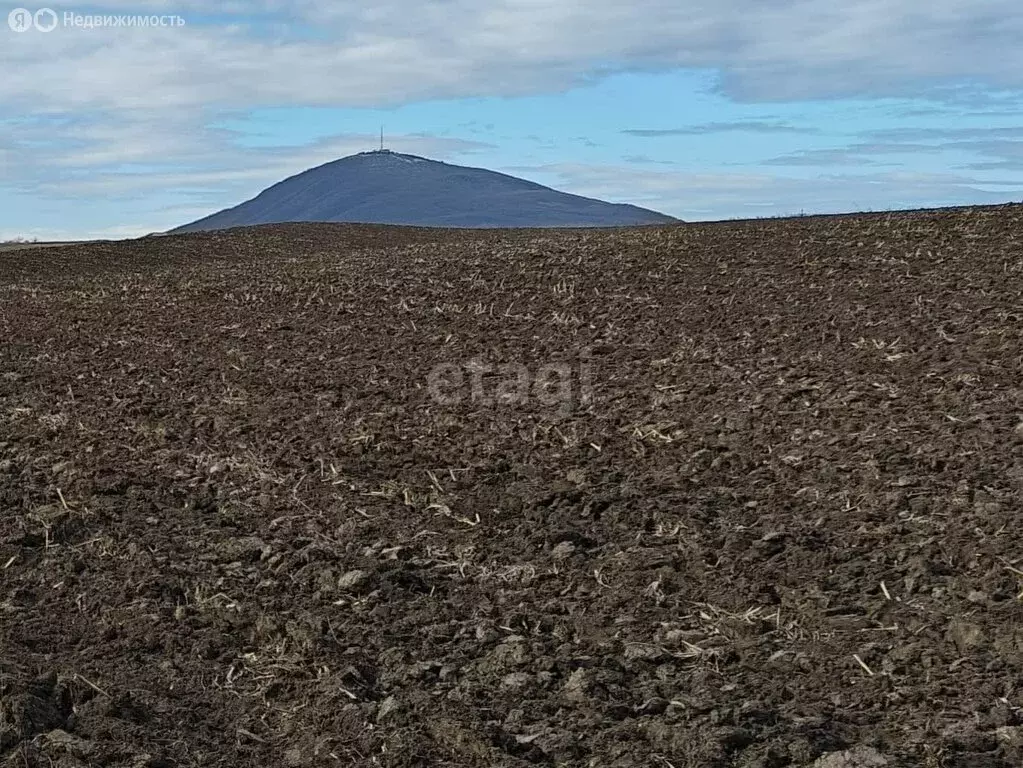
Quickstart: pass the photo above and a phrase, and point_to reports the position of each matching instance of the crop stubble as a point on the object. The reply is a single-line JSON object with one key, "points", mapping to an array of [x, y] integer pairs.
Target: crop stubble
{"points": [[237, 529]]}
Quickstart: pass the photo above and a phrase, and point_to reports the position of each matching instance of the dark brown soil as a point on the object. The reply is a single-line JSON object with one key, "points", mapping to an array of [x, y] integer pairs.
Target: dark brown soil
{"points": [[772, 520]]}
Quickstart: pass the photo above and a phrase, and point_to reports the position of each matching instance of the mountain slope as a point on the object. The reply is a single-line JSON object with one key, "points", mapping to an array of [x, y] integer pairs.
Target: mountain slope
{"points": [[386, 187]]}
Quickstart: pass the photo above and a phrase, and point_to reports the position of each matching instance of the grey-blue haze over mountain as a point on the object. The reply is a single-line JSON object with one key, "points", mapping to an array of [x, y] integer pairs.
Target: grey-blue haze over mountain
{"points": [[385, 187]]}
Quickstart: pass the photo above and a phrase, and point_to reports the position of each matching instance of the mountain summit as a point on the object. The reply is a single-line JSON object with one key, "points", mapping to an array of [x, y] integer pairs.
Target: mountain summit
{"points": [[385, 187]]}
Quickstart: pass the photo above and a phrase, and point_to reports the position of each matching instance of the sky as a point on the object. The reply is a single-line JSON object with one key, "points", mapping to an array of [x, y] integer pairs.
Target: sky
{"points": [[704, 110]]}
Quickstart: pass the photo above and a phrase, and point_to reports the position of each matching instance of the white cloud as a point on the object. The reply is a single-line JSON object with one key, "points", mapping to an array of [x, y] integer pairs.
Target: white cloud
{"points": [[113, 156], [397, 50], [703, 196]]}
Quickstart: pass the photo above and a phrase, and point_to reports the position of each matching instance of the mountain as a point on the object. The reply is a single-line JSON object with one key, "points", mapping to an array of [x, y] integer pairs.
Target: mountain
{"points": [[385, 187]]}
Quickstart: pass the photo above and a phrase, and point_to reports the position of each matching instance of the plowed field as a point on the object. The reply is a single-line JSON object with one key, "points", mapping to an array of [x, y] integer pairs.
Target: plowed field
{"points": [[736, 494]]}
